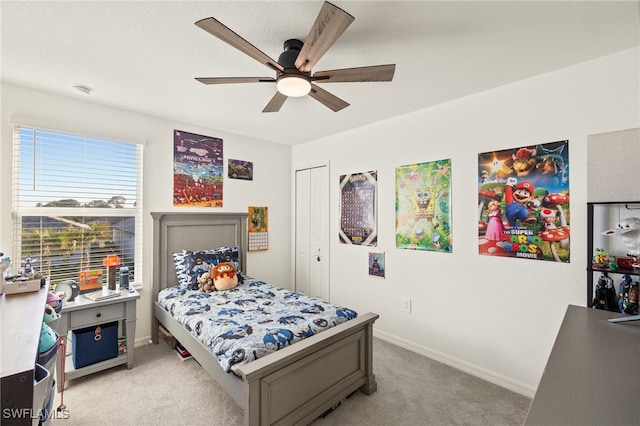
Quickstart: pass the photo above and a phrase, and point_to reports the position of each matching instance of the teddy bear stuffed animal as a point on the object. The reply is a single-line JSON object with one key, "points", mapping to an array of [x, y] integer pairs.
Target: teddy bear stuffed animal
{"points": [[224, 276], [205, 283]]}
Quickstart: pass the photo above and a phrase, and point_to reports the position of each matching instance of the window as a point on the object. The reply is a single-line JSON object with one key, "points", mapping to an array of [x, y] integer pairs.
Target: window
{"points": [[75, 200]]}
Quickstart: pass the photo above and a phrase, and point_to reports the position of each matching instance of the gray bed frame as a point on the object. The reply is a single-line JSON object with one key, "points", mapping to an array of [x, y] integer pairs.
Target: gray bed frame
{"points": [[294, 385]]}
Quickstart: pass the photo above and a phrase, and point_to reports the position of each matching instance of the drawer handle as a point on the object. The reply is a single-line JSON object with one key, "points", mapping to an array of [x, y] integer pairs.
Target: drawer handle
{"points": [[98, 315]]}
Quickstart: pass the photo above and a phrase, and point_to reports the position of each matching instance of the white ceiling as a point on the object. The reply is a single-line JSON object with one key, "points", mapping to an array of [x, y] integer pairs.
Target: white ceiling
{"points": [[143, 55]]}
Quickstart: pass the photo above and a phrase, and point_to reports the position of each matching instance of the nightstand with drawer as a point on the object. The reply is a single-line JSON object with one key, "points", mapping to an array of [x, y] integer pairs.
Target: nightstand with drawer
{"points": [[82, 313]]}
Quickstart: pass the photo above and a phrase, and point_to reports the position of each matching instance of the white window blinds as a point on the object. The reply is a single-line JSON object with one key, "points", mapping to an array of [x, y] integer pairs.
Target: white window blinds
{"points": [[75, 200]]}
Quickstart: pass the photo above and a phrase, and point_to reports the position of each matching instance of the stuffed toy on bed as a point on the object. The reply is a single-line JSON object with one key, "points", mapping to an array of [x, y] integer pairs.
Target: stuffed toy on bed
{"points": [[205, 283], [224, 276]]}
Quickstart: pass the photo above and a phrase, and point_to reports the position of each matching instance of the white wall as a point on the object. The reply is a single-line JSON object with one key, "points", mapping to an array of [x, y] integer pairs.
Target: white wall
{"points": [[494, 317], [270, 186]]}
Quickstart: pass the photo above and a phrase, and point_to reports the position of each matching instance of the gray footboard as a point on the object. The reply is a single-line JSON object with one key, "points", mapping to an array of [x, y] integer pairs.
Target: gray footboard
{"points": [[298, 383]]}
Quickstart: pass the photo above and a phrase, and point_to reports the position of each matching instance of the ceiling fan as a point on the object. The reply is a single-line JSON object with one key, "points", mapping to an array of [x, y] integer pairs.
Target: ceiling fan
{"points": [[293, 68]]}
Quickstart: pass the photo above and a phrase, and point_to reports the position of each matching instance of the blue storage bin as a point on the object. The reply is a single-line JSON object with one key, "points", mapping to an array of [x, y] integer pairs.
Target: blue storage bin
{"points": [[90, 345]]}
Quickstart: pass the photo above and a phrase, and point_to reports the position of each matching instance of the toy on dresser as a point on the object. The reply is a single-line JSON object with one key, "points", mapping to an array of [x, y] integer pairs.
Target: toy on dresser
{"points": [[26, 280], [623, 292], [629, 298], [605, 294], [629, 232], [601, 260]]}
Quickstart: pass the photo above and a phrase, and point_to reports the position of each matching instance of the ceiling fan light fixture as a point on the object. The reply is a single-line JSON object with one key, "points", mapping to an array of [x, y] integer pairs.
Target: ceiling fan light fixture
{"points": [[293, 85]]}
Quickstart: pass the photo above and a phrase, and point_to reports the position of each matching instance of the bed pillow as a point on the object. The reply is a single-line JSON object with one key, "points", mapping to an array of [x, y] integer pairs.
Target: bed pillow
{"points": [[181, 262], [191, 264]]}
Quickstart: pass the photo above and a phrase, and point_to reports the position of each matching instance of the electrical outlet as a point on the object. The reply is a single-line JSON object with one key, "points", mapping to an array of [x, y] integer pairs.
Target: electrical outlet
{"points": [[406, 305]]}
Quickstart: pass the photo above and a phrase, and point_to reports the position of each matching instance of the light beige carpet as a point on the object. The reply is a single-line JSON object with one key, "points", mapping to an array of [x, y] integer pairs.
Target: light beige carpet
{"points": [[162, 390]]}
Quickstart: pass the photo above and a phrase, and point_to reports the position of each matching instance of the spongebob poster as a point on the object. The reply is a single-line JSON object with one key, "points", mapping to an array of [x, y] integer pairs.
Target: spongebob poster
{"points": [[197, 170], [523, 202], [423, 206]]}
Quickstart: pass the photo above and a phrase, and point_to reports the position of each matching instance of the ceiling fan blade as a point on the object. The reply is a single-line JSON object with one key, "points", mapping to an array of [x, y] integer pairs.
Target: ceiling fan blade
{"points": [[230, 80], [372, 73], [275, 103], [218, 29], [328, 27], [327, 99]]}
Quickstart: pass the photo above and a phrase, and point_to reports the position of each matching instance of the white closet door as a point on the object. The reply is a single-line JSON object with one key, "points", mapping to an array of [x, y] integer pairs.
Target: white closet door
{"points": [[312, 232], [303, 229]]}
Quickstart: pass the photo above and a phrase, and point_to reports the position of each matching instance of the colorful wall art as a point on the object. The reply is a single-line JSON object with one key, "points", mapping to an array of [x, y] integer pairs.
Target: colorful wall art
{"points": [[239, 169], [423, 206], [358, 194], [197, 170], [523, 202], [258, 228], [376, 264]]}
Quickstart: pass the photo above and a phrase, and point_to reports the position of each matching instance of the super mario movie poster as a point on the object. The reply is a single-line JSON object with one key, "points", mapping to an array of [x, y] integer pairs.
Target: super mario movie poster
{"points": [[197, 170], [523, 202], [423, 206]]}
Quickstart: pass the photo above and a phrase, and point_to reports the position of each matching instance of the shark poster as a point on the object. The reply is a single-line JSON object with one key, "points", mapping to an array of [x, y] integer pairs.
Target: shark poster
{"points": [[423, 206], [523, 202], [197, 170]]}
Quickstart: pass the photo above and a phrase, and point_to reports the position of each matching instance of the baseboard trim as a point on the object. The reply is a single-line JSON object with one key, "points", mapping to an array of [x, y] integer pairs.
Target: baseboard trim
{"points": [[490, 376], [141, 341], [483, 373]]}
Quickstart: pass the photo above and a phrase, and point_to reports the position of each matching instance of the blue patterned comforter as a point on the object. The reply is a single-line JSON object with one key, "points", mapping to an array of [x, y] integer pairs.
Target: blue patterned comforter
{"points": [[250, 320]]}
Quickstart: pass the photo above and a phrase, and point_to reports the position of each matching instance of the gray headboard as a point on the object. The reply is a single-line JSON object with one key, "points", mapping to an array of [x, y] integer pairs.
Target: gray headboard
{"points": [[176, 231]]}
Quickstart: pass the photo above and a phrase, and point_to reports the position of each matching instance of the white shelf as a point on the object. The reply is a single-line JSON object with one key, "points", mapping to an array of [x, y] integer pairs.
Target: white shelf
{"points": [[71, 373]]}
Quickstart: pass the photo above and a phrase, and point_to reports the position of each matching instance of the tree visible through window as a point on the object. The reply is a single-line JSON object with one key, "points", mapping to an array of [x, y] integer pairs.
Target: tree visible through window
{"points": [[76, 200]]}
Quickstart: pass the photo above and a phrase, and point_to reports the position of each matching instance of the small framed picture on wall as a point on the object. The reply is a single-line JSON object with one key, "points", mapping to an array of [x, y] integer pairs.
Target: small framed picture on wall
{"points": [[376, 264], [239, 169]]}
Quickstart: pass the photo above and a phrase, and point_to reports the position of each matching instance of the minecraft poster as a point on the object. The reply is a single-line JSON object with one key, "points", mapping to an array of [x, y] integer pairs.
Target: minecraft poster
{"points": [[423, 206], [197, 170], [523, 202]]}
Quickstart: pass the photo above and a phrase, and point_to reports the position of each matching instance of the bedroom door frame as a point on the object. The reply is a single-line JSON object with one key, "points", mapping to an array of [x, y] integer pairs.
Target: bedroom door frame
{"points": [[311, 249]]}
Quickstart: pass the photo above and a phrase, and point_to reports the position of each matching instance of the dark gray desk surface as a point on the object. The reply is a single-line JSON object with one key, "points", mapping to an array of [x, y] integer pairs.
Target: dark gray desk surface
{"points": [[592, 376]]}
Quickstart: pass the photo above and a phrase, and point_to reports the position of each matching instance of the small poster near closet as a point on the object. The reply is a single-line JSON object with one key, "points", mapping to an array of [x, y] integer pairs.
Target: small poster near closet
{"points": [[523, 202], [358, 195]]}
